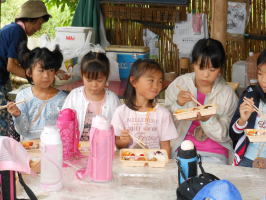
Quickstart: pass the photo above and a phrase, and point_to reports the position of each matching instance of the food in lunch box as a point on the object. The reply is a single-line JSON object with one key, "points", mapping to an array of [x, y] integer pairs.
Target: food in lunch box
{"points": [[256, 135], [143, 157], [127, 155], [30, 145], [190, 113], [254, 132], [140, 158], [179, 111], [194, 109], [156, 156], [206, 107]]}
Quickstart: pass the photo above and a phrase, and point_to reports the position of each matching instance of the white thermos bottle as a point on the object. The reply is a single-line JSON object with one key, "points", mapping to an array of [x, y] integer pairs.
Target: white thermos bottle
{"points": [[51, 159]]}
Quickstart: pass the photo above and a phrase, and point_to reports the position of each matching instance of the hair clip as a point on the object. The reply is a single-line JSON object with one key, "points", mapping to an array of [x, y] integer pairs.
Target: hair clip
{"points": [[97, 49]]}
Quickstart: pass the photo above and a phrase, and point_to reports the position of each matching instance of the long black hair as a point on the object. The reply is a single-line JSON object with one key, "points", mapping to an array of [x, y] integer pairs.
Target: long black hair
{"points": [[138, 68], [48, 59], [93, 64], [206, 50]]}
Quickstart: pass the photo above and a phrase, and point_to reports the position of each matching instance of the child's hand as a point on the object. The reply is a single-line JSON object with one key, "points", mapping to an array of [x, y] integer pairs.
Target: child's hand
{"points": [[183, 97], [245, 111], [62, 75], [13, 109], [125, 137], [201, 118]]}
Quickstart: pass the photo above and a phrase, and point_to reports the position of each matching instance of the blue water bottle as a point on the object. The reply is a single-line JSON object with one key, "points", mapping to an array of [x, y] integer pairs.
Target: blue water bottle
{"points": [[187, 161]]}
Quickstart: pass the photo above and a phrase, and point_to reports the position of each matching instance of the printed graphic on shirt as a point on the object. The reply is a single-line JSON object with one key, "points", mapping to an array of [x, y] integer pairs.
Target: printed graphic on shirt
{"points": [[87, 126], [262, 124], [145, 129]]}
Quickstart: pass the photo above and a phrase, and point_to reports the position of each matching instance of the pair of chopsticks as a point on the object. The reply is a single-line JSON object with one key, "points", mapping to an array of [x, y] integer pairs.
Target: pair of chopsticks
{"points": [[5, 106], [255, 107], [139, 142], [192, 97]]}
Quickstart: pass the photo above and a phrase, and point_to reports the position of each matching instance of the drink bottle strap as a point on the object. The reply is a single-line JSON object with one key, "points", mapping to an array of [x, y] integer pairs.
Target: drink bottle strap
{"points": [[29, 192]]}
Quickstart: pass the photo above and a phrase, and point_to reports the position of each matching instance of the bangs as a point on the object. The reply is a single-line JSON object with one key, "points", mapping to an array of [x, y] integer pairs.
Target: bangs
{"points": [[48, 59], [146, 67], [208, 53], [93, 70], [206, 61], [93, 75]]}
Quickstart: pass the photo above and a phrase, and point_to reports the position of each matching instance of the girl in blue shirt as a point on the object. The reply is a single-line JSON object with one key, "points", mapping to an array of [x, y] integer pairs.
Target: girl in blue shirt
{"points": [[42, 101], [248, 153]]}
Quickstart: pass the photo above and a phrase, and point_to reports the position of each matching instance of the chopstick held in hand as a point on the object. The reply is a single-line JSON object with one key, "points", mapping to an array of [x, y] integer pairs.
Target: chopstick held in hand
{"points": [[255, 108], [5, 106], [138, 141], [192, 97]]}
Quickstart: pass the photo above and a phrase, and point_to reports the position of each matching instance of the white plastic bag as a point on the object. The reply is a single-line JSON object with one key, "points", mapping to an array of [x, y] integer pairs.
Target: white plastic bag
{"points": [[114, 70], [71, 58]]}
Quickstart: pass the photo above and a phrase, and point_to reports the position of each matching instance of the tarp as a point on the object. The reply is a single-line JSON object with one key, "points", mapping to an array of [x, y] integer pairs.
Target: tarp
{"points": [[87, 14]]}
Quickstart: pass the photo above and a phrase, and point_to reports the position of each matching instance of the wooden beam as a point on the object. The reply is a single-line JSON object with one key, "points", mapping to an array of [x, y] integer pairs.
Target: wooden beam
{"points": [[219, 20]]}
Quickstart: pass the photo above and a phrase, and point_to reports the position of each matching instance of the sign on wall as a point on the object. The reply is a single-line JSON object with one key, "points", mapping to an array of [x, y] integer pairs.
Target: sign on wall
{"points": [[236, 17]]}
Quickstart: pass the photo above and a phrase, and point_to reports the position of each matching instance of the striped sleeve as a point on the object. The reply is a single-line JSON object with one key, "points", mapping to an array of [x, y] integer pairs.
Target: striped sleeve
{"points": [[239, 129]]}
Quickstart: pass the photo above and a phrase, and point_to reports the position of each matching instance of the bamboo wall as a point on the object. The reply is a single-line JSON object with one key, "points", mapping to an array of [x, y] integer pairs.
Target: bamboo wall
{"points": [[125, 23]]}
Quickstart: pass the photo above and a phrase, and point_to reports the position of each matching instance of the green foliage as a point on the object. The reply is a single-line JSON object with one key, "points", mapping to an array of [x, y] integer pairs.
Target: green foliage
{"points": [[71, 4], [62, 12]]}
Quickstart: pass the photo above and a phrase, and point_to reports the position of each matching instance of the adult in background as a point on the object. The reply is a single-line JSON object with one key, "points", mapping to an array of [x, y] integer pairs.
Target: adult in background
{"points": [[32, 15]]}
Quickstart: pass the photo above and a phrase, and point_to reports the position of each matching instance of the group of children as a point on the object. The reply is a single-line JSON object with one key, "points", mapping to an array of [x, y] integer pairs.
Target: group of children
{"points": [[141, 116]]}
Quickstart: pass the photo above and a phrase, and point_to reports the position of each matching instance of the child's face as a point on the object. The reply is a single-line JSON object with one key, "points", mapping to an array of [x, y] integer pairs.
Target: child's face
{"points": [[148, 85], [262, 77], [95, 87], [42, 78], [207, 76]]}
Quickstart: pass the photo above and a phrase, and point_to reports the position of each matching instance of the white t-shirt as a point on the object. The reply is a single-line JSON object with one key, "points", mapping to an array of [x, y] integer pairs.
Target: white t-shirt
{"points": [[149, 127]]}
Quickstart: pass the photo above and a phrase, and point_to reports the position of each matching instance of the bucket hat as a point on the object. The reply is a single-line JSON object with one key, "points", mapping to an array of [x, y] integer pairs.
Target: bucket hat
{"points": [[218, 190], [33, 9]]}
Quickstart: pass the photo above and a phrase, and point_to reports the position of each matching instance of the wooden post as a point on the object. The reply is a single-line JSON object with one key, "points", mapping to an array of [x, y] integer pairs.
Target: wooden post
{"points": [[219, 20]]}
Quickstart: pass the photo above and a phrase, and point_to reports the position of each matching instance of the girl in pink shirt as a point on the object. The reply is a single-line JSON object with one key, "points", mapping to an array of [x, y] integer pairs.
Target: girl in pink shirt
{"points": [[208, 133], [140, 117]]}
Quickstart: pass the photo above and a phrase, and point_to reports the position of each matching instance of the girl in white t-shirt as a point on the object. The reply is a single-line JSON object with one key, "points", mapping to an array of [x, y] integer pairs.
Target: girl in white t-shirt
{"points": [[93, 98], [140, 117]]}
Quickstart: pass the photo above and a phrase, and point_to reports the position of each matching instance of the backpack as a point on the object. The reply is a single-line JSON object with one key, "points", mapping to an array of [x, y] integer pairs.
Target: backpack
{"points": [[13, 158], [8, 186], [189, 188]]}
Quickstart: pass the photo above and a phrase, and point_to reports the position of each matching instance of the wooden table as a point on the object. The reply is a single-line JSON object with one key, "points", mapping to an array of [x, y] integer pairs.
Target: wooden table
{"points": [[137, 183]]}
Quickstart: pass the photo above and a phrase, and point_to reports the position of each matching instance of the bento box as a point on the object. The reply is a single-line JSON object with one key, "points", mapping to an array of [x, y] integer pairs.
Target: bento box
{"points": [[256, 135], [31, 145], [33, 149], [189, 113], [143, 157]]}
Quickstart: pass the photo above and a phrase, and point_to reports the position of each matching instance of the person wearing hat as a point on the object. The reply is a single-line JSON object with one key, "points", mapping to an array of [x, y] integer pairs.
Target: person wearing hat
{"points": [[30, 19]]}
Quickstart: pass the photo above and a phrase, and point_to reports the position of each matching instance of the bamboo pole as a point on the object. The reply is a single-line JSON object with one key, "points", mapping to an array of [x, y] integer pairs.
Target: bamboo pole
{"points": [[219, 20]]}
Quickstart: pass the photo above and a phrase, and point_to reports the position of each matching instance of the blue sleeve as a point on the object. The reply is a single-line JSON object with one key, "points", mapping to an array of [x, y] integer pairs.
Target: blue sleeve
{"points": [[22, 124]]}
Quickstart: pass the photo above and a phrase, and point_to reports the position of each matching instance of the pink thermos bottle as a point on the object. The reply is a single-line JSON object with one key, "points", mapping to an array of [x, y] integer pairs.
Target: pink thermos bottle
{"points": [[68, 125], [102, 148]]}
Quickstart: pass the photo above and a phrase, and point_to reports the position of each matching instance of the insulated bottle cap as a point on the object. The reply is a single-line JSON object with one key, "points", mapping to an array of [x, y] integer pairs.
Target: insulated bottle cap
{"points": [[187, 150], [187, 145], [50, 135], [100, 122]]}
